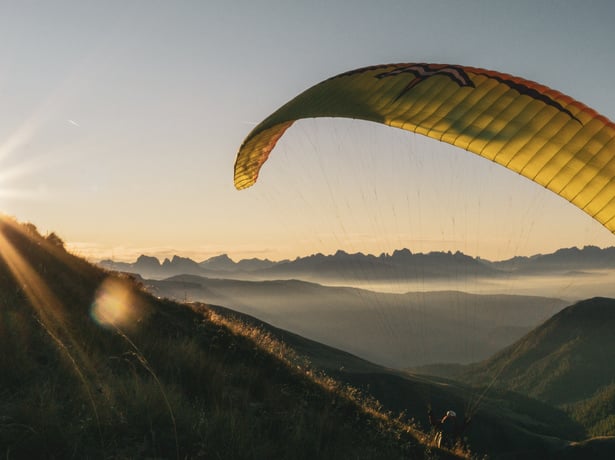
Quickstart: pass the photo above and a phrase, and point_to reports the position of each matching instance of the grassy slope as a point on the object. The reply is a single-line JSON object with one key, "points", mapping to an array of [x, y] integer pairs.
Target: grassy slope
{"points": [[169, 382], [504, 424]]}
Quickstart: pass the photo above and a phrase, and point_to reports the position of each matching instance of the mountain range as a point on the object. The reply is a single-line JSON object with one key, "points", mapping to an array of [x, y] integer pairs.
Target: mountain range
{"points": [[401, 264]]}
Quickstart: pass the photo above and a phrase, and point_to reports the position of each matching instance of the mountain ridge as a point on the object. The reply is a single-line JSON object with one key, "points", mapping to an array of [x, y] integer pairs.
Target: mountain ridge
{"points": [[400, 264], [575, 342]]}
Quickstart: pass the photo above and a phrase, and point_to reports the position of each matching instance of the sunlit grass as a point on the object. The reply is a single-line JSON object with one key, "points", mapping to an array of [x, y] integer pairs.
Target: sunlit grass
{"points": [[387, 421], [48, 308]]}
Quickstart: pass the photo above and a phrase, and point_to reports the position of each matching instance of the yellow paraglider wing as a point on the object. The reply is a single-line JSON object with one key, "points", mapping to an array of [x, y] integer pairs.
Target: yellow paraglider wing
{"points": [[540, 133]]}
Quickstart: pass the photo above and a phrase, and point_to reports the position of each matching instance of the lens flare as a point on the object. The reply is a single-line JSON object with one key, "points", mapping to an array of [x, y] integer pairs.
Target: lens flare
{"points": [[115, 306]]}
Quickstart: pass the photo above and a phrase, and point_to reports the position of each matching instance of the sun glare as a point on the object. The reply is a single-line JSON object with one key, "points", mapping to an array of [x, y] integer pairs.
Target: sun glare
{"points": [[114, 305], [41, 297], [49, 309]]}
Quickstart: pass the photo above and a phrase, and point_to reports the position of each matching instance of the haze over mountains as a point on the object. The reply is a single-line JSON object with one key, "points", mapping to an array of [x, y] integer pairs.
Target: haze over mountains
{"points": [[400, 264], [585, 272], [397, 330], [400, 310]]}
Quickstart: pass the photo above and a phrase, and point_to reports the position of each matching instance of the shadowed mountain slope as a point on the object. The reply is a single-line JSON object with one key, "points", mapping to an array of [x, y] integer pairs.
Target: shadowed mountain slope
{"points": [[569, 361], [564, 360]]}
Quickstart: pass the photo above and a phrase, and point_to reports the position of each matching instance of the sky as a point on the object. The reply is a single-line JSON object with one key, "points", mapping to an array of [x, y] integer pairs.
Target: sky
{"points": [[121, 120]]}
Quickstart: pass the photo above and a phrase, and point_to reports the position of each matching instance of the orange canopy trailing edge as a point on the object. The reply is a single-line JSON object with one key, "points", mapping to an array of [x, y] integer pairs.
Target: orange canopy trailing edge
{"points": [[540, 133]]}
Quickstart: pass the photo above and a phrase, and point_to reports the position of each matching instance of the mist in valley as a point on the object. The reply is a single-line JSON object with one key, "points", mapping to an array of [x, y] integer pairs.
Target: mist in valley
{"points": [[571, 286], [395, 329]]}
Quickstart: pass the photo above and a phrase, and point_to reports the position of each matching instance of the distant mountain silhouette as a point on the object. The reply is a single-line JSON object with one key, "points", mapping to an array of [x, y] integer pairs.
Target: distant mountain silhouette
{"points": [[224, 263], [590, 257], [401, 264], [151, 267]]}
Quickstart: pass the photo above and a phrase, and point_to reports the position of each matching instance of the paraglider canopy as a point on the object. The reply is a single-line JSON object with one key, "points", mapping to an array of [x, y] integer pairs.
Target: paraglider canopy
{"points": [[535, 131]]}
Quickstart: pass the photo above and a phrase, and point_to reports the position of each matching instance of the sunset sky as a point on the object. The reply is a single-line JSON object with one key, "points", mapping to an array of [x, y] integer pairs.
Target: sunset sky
{"points": [[121, 120]]}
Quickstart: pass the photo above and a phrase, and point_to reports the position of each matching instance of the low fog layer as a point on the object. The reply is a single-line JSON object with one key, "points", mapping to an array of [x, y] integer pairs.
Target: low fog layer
{"points": [[397, 330], [571, 286]]}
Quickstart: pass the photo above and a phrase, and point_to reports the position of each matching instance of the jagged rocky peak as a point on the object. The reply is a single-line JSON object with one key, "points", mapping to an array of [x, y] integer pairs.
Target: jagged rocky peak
{"points": [[147, 261]]}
